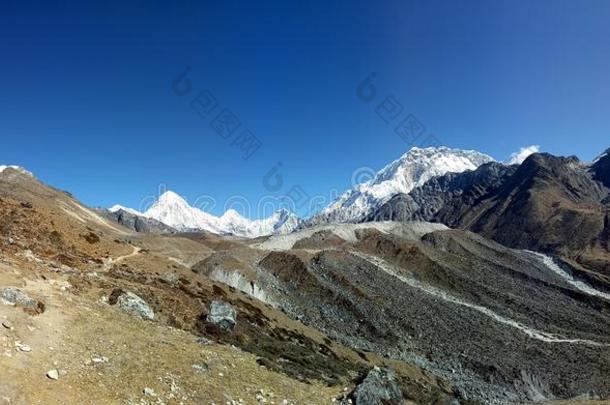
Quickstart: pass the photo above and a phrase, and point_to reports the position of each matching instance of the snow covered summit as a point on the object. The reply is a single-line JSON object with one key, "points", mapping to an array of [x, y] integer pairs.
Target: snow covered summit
{"points": [[117, 208], [411, 170]]}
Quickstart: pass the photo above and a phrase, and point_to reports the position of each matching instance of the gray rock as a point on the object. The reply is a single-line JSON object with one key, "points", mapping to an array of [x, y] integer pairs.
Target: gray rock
{"points": [[14, 296], [201, 367], [203, 341], [135, 222], [222, 314], [380, 387], [149, 392], [132, 304]]}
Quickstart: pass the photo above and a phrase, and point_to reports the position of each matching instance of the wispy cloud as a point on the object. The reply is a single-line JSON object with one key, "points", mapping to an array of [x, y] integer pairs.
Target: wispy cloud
{"points": [[517, 158]]}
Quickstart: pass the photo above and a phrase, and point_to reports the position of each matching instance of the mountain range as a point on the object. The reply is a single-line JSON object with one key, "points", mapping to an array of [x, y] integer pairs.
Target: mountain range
{"points": [[411, 170], [175, 213], [449, 278]]}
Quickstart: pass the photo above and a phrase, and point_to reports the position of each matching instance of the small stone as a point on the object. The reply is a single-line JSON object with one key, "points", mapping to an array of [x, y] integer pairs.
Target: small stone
{"points": [[202, 367], [98, 360], [149, 392], [53, 374], [24, 348], [203, 341]]}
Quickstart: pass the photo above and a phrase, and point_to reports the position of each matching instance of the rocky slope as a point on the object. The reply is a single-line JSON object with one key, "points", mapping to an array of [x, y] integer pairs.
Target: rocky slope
{"points": [[502, 325]]}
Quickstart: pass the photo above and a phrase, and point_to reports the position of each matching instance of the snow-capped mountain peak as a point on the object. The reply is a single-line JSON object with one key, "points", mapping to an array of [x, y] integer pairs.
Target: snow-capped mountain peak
{"points": [[117, 207], [174, 211], [411, 170], [170, 197]]}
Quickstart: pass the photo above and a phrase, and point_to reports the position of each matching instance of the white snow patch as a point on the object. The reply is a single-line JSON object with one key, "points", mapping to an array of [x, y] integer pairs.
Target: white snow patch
{"points": [[117, 207], [516, 158], [18, 168], [600, 157]]}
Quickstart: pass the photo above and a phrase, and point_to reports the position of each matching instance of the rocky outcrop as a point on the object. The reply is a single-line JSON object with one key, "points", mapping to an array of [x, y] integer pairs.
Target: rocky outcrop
{"points": [[137, 223], [222, 314], [380, 387], [131, 303], [14, 296]]}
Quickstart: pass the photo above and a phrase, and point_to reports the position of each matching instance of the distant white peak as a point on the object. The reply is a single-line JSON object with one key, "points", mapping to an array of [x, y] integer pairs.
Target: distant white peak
{"points": [[117, 207], [18, 168], [173, 210], [169, 197]]}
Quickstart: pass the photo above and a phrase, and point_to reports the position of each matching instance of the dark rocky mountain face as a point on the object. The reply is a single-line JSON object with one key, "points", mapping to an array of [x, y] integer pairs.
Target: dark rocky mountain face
{"points": [[601, 169], [137, 223], [445, 197], [552, 204]]}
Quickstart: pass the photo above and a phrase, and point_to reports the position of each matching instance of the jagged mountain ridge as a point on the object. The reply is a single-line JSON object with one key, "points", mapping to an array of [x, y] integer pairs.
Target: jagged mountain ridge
{"points": [[175, 212], [411, 170], [553, 204]]}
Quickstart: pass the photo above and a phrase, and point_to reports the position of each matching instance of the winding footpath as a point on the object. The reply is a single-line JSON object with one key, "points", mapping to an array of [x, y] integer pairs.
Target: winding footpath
{"points": [[111, 261], [428, 289]]}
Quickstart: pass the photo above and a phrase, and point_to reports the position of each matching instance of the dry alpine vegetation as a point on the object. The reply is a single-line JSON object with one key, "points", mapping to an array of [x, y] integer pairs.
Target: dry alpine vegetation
{"points": [[376, 313]]}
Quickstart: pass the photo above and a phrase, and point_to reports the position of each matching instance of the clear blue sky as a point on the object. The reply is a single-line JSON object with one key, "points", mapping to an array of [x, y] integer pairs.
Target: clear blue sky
{"points": [[87, 103]]}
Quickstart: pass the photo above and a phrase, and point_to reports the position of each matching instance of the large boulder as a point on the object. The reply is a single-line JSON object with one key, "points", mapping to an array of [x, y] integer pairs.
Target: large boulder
{"points": [[131, 303], [380, 387], [14, 296], [222, 315]]}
